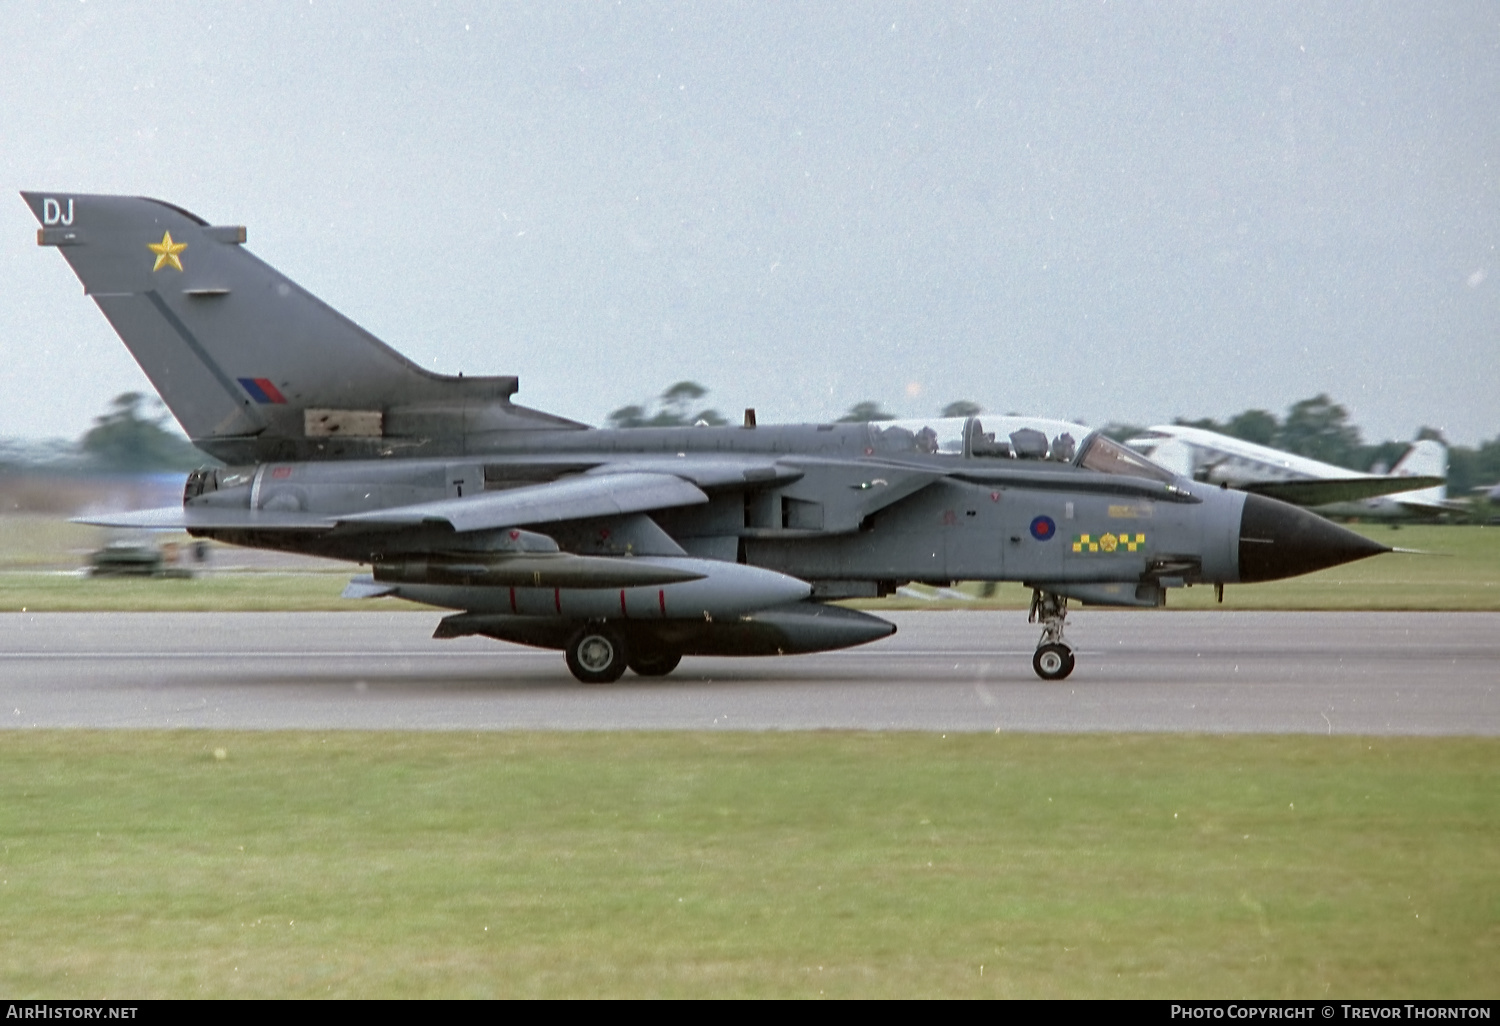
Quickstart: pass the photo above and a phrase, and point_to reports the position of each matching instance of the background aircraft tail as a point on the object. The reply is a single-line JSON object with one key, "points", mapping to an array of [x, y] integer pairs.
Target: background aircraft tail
{"points": [[252, 366], [1425, 458]]}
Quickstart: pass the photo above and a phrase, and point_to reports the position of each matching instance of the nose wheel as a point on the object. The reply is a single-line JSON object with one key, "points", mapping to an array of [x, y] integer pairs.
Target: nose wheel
{"points": [[1053, 662], [1053, 659]]}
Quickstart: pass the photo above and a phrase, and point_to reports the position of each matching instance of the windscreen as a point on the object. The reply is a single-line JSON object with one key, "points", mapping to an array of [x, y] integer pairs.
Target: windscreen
{"points": [[1110, 457]]}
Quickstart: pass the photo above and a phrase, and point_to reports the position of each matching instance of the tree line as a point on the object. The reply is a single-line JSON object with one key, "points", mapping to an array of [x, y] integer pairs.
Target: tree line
{"points": [[132, 437]]}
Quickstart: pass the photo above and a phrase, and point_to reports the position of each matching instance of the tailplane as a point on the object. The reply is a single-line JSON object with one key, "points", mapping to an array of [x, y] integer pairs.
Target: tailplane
{"points": [[253, 367]]}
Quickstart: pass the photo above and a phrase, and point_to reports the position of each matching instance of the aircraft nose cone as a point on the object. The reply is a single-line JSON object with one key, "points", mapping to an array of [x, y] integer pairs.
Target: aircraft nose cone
{"points": [[1280, 540]]}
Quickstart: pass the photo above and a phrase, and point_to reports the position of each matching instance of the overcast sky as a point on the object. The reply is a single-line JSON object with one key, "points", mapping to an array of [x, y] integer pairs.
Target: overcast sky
{"points": [[1098, 211]]}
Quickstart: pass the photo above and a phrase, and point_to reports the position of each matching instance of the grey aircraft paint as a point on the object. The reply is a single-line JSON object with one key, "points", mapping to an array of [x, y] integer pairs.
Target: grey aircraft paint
{"points": [[626, 547]]}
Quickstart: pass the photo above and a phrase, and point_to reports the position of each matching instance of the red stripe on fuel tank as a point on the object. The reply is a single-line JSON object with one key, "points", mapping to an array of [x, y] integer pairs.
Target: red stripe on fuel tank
{"points": [[661, 600], [513, 600], [557, 599], [623, 611]]}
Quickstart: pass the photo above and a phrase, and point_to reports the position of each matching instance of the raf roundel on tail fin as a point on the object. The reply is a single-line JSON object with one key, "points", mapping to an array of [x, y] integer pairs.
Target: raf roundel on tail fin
{"points": [[251, 365]]}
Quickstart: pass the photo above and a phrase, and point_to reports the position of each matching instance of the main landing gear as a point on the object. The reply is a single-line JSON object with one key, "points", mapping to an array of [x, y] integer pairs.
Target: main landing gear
{"points": [[1053, 659], [654, 664], [598, 654]]}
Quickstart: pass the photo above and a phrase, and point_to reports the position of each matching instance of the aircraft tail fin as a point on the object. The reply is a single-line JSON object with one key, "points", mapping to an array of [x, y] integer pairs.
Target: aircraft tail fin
{"points": [[1175, 455], [252, 366], [1425, 458]]}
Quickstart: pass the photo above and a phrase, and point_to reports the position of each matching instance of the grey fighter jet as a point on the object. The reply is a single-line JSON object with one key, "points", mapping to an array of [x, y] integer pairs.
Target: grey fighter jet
{"points": [[626, 548]]}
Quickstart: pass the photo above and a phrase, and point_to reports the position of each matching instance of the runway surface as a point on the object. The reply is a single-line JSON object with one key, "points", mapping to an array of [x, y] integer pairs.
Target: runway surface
{"points": [[1342, 673]]}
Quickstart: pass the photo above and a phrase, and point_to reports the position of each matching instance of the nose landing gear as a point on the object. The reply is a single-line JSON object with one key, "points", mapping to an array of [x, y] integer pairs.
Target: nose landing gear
{"points": [[1053, 659]]}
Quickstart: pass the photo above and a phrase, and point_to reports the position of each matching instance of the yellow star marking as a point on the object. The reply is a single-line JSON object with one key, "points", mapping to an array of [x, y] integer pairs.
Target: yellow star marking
{"points": [[166, 252]]}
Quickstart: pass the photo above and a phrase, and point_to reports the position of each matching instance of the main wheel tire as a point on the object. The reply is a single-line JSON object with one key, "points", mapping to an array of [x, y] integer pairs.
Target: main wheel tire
{"points": [[596, 654], [657, 664], [1053, 662]]}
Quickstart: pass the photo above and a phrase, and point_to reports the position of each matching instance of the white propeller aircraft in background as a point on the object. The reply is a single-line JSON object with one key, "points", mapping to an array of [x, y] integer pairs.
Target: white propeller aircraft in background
{"points": [[1417, 485]]}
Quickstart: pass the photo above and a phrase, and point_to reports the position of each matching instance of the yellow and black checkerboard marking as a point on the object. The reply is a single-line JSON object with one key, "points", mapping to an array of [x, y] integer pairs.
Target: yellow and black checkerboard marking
{"points": [[1109, 542]]}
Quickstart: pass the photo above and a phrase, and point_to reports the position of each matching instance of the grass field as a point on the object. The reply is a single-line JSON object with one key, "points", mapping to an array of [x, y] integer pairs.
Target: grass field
{"points": [[1463, 572], [376, 864], [40, 558], [224, 592], [409, 865]]}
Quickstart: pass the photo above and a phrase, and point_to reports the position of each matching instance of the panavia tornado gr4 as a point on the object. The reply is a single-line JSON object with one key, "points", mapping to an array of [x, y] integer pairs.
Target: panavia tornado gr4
{"points": [[626, 548]]}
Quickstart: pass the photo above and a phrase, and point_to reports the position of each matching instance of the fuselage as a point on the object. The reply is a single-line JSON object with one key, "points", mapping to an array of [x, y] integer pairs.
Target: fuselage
{"points": [[853, 509]]}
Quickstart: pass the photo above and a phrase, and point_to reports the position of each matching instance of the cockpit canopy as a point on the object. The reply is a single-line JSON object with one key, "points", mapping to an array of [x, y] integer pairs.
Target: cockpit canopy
{"points": [[1108, 456], [1015, 438]]}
